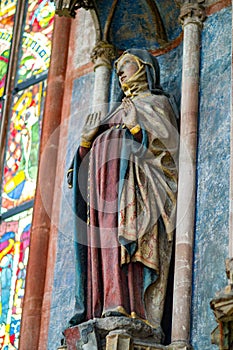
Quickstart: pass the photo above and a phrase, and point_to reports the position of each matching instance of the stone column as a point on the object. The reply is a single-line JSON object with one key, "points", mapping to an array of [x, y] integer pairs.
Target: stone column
{"points": [[192, 16], [40, 232], [102, 56]]}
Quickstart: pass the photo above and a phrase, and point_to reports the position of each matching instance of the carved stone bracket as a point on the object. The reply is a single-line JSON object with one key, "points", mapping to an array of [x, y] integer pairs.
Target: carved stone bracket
{"points": [[68, 8], [118, 333], [103, 54], [192, 13], [222, 307]]}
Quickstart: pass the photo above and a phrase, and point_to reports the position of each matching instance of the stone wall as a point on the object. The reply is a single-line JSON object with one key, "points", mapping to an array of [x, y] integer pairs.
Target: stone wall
{"points": [[63, 300], [212, 212]]}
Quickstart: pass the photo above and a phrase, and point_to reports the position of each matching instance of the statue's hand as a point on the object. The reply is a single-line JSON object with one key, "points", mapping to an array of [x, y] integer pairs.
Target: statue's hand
{"points": [[90, 129], [130, 118]]}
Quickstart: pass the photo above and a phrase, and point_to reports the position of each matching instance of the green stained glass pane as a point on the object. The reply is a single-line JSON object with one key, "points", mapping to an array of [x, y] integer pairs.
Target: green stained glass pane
{"points": [[7, 12], [14, 250], [20, 168], [36, 41]]}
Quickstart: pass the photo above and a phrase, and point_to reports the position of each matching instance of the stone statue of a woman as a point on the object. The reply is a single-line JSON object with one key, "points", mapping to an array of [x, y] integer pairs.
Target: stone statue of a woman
{"points": [[124, 176]]}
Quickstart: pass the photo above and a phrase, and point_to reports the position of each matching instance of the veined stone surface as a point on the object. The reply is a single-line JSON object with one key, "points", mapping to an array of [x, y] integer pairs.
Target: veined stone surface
{"points": [[213, 167]]}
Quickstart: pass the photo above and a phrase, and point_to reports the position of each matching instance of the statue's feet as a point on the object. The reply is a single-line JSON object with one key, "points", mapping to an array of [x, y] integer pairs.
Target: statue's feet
{"points": [[76, 319], [117, 312]]}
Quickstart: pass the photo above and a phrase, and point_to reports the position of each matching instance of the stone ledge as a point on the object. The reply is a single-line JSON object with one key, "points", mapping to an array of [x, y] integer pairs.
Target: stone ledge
{"points": [[119, 333]]}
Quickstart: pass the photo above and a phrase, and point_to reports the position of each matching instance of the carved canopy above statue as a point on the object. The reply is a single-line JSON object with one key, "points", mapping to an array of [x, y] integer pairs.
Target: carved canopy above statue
{"points": [[132, 23]]}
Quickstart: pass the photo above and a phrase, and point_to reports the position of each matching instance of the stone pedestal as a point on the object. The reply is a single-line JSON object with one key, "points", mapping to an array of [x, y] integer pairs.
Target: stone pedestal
{"points": [[113, 333]]}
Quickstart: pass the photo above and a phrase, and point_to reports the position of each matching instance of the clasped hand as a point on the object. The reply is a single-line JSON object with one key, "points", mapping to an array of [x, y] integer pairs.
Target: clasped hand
{"points": [[130, 118], [90, 128], [92, 123]]}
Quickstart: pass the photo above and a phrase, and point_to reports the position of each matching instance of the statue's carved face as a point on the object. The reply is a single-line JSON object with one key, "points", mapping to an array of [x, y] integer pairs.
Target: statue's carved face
{"points": [[126, 68]]}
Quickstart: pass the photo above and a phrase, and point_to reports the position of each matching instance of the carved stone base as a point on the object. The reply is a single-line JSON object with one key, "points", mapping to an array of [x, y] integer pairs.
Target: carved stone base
{"points": [[179, 346], [113, 333]]}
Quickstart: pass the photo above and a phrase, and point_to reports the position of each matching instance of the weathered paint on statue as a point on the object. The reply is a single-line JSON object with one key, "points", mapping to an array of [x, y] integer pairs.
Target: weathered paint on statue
{"points": [[124, 176]]}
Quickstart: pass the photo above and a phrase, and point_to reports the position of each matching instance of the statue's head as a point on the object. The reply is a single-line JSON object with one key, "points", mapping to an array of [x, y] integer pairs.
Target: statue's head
{"points": [[137, 66], [132, 74], [126, 66]]}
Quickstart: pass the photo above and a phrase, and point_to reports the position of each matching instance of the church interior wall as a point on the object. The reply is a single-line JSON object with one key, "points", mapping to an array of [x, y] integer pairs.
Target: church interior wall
{"points": [[212, 209]]}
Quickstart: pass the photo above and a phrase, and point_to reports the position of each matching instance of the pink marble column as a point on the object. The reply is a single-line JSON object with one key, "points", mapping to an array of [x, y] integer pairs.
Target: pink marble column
{"points": [[40, 233], [192, 16]]}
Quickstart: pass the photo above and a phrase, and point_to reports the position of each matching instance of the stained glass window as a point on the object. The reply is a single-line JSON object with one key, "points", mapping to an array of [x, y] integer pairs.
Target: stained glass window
{"points": [[23, 109], [7, 12], [36, 41], [20, 170], [14, 250]]}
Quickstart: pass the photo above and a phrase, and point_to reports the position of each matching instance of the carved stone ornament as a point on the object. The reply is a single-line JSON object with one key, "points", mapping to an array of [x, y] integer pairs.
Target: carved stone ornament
{"points": [[222, 307], [192, 13], [68, 8], [102, 54]]}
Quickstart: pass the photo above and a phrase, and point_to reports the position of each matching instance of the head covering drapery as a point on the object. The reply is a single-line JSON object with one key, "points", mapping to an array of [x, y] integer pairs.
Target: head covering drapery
{"points": [[152, 69], [137, 83], [153, 78]]}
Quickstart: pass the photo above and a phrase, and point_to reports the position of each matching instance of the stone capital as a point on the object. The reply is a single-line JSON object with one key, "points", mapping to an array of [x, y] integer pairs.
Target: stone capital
{"points": [[103, 54], [192, 12], [68, 8]]}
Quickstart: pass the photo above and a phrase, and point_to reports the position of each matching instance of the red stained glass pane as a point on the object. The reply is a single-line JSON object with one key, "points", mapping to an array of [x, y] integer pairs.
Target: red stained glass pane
{"points": [[20, 170], [14, 250], [7, 12], [36, 42]]}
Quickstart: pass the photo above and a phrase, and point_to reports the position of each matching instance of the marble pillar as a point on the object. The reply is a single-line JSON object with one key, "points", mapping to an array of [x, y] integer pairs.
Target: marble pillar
{"points": [[102, 56], [191, 17], [40, 232]]}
